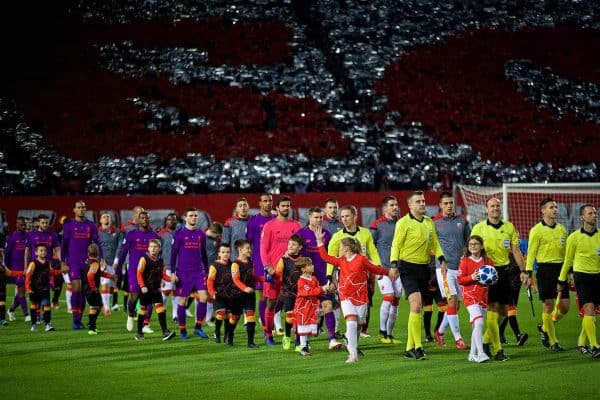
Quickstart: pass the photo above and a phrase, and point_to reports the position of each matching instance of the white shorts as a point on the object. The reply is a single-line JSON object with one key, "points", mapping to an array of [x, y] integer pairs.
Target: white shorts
{"points": [[386, 286], [167, 286], [107, 281], [475, 311], [360, 311], [307, 330], [66, 278], [452, 278]]}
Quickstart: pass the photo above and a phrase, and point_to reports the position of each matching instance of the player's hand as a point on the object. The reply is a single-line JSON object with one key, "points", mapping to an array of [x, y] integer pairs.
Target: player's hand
{"points": [[444, 267], [525, 279], [64, 268], [106, 310], [144, 290], [174, 278], [475, 275], [393, 274], [325, 288], [249, 290]]}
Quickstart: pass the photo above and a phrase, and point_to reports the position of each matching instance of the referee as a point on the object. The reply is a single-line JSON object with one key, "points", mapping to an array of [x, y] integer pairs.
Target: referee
{"points": [[547, 241], [414, 241], [499, 238], [583, 256]]}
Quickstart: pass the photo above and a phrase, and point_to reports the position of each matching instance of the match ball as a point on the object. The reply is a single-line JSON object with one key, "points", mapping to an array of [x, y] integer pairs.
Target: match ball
{"points": [[488, 275]]}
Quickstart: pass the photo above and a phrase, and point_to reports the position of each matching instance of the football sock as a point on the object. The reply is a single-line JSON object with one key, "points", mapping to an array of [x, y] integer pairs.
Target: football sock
{"points": [[352, 337], [384, 313], [493, 331], [393, 316], [427, 314], [414, 324], [330, 324], [548, 327], [590, 330], [452, 318]]}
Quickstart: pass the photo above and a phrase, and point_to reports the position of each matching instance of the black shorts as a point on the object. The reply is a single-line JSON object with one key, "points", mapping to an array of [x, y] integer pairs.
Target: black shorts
{"points": [[245, 303], [588, 287], [40, 297], [221, 303], [546, 277], [94, 299], [414, 277], [288, 303], [501, 291], [152, 297]]}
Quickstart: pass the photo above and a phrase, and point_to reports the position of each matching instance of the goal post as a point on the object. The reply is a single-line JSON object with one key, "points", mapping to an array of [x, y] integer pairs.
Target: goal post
{"points": [[521, 202]]}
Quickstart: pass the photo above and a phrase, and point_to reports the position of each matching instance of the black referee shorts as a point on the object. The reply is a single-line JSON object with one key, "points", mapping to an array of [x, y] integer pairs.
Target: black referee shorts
{"points": [[588, 287], [414, 277], [546, 277], [500, 292]]}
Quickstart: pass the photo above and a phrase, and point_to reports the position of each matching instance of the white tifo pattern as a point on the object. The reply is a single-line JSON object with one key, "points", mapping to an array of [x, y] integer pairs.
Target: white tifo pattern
{"points": [[521, 202]]}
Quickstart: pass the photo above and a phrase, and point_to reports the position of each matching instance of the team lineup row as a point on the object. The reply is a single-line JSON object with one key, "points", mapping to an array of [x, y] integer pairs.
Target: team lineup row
{"points": [[329, 265]]}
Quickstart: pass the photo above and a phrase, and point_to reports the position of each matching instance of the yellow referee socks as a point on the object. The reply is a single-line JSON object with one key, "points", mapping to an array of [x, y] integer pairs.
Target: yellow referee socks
{"points": [[590, 329], [494, 331], [548, 326], [410, 342], [414, 323], [582, 339]]}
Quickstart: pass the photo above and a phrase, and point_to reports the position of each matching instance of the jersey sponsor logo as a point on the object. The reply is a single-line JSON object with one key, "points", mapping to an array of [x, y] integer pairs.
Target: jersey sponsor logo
{"points": [[506, 243], [562, 241]]}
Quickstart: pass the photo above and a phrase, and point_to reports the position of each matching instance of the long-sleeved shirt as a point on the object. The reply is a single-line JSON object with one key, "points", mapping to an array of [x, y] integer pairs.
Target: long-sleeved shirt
{"points": [[77, 236], [234, 229], [135, 246], [363, 235], [219, 281], [546, 244], [473, 292], [274, 240], [37, 276], [382, 230], [307, 300], [188, 253], [14, 251], [453, 234], [94, 273], [415, 240], [311, 250], [48, 238], [582, 253], [353, 278], [150, 272]]}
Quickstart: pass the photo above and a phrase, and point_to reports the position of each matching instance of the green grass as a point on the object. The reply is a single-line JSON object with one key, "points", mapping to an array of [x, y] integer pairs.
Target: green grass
{"points": [[68, 363]]}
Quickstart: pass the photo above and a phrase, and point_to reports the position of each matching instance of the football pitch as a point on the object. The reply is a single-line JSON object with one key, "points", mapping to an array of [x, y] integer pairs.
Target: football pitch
{"points": [[71, 364]]}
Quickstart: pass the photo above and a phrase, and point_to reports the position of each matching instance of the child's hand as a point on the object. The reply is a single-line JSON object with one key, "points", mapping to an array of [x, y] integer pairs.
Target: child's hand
{"points": [[64, 268], [319, 235], [326, 288], [174, 278], [144, 290], [475, 276], [249, 290]]}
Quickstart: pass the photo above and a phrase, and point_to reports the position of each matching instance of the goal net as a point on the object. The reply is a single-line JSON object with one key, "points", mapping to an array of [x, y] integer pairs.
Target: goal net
{"points": [[521, 202]]}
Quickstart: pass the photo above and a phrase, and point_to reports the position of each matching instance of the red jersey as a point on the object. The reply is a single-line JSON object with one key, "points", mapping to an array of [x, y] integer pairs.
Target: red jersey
{"points": [[354, 277], [473, 292], [307, 301]]}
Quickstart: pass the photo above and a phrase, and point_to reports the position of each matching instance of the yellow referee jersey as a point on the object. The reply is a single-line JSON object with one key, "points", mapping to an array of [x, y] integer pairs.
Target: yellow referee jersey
{"points": [[497, 240], [546, 244], [415, 240], [367, 246], [582, 253]]}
